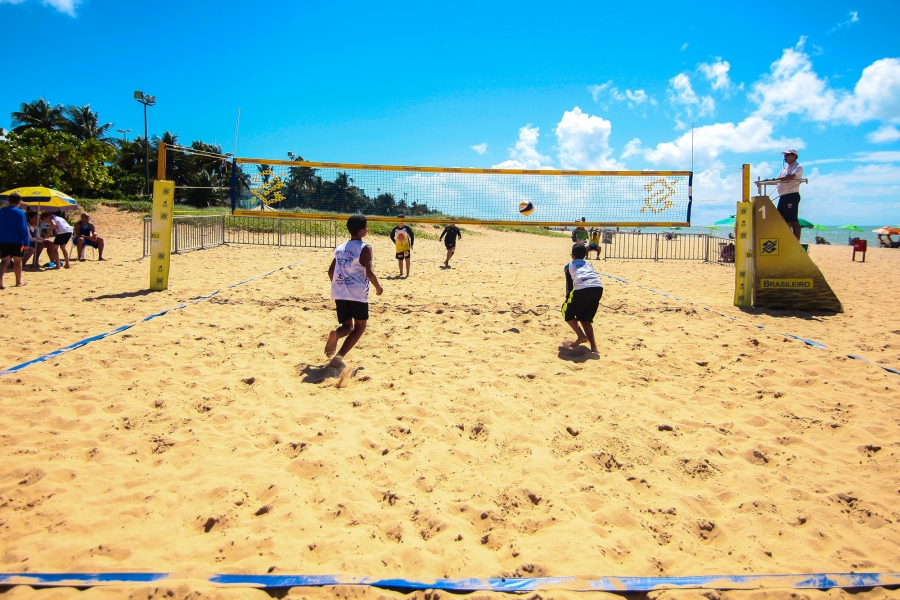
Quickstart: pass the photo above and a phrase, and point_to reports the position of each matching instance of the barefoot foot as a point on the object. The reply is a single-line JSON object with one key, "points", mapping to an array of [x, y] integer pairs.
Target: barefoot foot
{"points": [[331, 344], [337, 362]]}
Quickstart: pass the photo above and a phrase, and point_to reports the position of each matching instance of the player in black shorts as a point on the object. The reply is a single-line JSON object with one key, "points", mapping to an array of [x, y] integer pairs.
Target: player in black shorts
{"points": [[583, 292], [453, 233]]}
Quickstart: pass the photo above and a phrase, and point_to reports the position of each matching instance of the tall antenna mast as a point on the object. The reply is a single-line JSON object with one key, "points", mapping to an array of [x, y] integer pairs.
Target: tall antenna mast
{"points": [[692, 146], [237, 126]]}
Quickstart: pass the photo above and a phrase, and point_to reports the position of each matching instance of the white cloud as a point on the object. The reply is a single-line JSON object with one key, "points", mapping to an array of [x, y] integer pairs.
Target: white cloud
{"points": [[632, 148], [883, 134], [681, 93], [716, 191], [479, 148], [878, 157], [607, 91], [684, 46], [852, 17], [64, 6], [524, 154], [793, 87], [753, 134], [867, 192], [583, 141], [717, 73]]}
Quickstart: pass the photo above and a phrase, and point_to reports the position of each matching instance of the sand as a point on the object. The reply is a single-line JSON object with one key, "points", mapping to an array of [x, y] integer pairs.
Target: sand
{"points": [[463, 439]]}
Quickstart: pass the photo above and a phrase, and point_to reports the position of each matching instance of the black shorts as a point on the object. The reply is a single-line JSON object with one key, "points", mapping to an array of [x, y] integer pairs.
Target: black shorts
{"points": [[789, 207], [14, 250], [62, 239], [450, 245], [581, 305], [350, 309], [402, 255]]}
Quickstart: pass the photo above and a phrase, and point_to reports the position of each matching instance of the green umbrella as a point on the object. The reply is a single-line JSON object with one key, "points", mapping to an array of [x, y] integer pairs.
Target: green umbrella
{"points": [[805, 224], [851, 227], [710, 227], [729, 222], [820, 227]]}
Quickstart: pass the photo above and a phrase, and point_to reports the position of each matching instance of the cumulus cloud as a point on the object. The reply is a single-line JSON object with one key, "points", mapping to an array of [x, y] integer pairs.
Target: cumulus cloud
{"points": [[632, 148], [479, 148], [753, 134], [717, 73], [885, 133], [524, 155], [684, 46], [607, 92], [681, 93], [64, 6], [583, 141], [852, 17], [793, 87]]}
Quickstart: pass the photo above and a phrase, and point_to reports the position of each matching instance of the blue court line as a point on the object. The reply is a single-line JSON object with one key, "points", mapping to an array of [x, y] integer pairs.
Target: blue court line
{"points": [[806, 341], [820, 581], [122, 328]]}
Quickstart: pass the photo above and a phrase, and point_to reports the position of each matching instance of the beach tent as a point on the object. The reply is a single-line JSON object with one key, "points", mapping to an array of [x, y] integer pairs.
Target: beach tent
{"points": [[41, 198]]}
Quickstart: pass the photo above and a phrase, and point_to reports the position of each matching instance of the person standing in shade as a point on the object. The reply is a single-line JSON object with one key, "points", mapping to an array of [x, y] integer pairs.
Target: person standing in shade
{"points": [[789, 190], [405, 245], [14, 238], [452, 232]]}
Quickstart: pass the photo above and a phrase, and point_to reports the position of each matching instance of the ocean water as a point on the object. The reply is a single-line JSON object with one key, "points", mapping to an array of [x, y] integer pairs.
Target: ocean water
{"points": [[838, 237]]}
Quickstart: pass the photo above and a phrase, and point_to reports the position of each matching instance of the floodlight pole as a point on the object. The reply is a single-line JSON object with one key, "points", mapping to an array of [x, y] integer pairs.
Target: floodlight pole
{"points": [[146, 100]]}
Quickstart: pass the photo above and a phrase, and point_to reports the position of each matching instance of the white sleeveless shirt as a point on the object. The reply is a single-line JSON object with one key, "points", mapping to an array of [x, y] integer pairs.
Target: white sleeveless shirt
{"points": [[349, 281]]}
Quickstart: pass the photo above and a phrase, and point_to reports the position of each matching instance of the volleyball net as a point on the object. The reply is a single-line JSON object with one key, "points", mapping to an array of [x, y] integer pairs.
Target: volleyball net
{"points": [[317, 190]]}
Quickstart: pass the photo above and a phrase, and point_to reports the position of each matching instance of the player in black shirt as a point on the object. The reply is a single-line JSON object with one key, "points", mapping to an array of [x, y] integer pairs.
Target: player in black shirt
{"points": [[452, 232]]}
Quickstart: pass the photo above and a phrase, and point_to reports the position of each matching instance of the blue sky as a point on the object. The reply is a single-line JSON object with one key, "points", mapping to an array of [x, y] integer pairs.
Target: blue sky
{"points": [[581, 85]]}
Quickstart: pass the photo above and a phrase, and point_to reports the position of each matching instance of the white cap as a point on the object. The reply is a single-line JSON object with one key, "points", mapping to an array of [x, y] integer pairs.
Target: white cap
{"points": [[790, 151]]}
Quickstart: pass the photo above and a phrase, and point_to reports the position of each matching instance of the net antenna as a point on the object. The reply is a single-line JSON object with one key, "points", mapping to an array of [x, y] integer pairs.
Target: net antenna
{"points": [[213, 173], [317, 190]]}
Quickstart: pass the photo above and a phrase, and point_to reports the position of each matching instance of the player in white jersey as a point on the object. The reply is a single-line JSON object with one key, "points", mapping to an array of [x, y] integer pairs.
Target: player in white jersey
{"points": [[583, 292], [350, 273]]}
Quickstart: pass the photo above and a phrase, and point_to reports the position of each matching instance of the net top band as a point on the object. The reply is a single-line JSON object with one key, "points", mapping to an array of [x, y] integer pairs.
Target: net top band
{"points": [[327, 165]]}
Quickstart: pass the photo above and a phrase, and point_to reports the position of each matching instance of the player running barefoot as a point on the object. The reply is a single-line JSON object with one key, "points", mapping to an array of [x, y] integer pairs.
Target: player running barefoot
{"points": [[583, 292], [350, 273], [452, 232]]}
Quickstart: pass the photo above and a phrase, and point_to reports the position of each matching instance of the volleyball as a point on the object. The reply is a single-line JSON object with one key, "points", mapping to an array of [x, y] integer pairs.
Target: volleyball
{"points": [[526, 208]]}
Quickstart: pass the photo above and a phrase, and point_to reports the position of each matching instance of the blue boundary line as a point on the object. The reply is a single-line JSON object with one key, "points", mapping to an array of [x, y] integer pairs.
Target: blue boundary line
{"points": [[806, 341], [122, 328], [820, 581]]}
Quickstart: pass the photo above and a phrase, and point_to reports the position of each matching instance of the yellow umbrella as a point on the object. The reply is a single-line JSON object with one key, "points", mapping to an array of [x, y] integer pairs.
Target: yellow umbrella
{"points": [[41, 198]]}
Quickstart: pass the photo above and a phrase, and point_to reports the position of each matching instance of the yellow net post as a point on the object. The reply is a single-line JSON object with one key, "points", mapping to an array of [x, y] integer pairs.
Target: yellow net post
{"points": [[161, 233], [743, 245]]}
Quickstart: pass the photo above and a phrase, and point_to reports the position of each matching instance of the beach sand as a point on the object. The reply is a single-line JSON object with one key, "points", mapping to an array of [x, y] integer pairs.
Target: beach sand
{"points": [[462, 440]]}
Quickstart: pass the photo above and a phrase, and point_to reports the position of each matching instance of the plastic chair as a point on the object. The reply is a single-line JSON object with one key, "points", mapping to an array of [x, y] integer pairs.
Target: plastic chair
{"points": [[860, 246]]}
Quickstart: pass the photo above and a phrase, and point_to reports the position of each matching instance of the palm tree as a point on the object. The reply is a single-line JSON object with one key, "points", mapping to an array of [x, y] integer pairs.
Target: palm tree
{"points": [[84, 124], [37, 113]]}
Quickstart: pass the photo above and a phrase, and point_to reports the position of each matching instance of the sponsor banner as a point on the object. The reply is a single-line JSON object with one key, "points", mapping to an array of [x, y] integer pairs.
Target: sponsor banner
{"points": [[161, 233], [329, 165], [787, 277]]}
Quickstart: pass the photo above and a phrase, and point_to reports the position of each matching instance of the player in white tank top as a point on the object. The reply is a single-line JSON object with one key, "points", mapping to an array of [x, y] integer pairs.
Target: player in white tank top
{"points": [[350, 281], [350, 273]]}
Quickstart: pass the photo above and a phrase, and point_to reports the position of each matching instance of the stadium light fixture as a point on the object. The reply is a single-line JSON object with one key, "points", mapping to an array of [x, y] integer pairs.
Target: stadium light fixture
{"points": [[146, 100], [124, 133]]}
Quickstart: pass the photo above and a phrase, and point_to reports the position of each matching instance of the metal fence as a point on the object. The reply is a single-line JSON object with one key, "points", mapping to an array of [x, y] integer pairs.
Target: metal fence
{"points": [[198, 232], [669, 246]]}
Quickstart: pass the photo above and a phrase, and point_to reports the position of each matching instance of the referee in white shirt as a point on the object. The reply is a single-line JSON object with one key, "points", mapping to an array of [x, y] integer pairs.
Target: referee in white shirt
{"points": [[789, 190]]}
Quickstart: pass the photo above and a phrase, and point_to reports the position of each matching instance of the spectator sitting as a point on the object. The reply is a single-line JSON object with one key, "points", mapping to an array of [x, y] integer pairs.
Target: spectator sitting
{"points": [[37, 242], [62, 236], [882, 243], [87, 236], [821, 240]]}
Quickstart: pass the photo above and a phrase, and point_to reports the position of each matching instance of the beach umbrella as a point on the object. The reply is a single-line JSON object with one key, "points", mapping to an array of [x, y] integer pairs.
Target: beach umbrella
{"points": [[41, 198], [712, 227], [729, 222], [887, 230], [805, 224], [820, 227], [851, 228]]}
